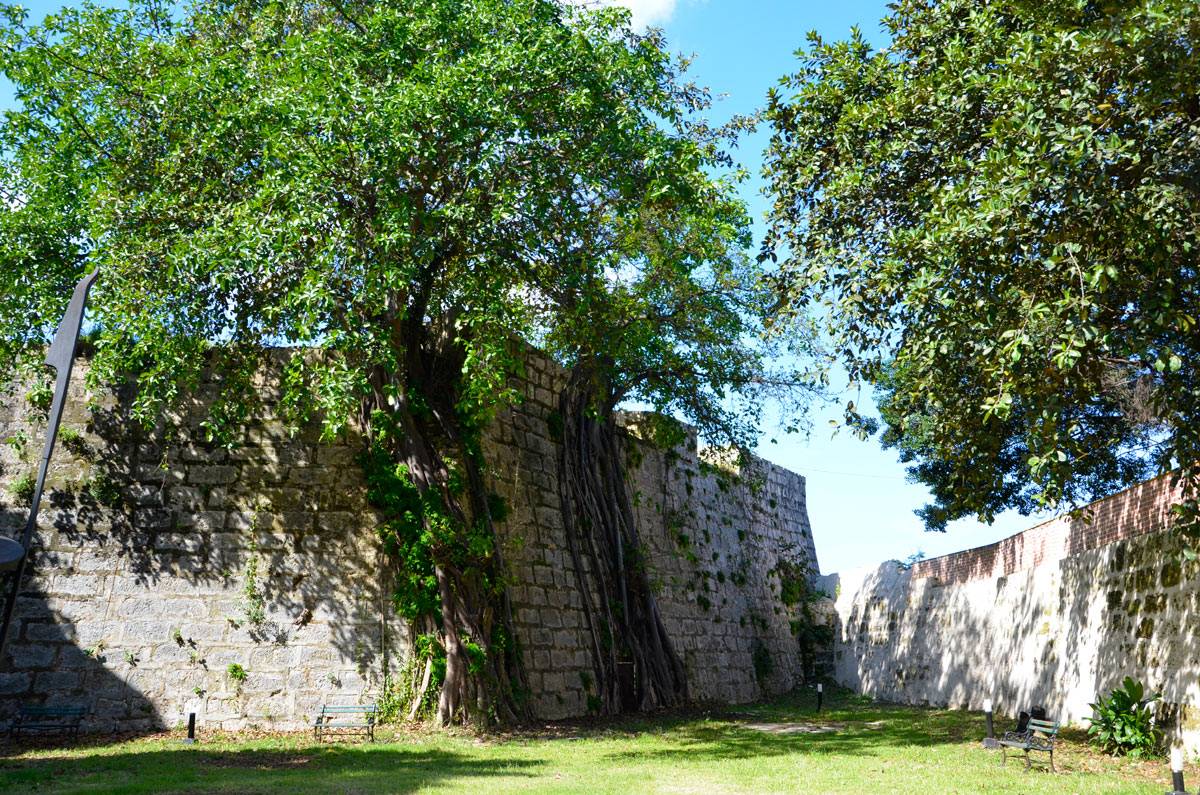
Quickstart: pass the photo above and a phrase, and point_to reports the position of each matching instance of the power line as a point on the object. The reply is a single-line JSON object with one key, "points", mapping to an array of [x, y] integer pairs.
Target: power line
{"points": [[847, 474]]}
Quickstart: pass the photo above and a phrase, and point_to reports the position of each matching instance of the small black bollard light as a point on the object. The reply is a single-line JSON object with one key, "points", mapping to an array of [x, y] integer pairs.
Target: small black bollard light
{"points": [[1177, 785], [820, 696], [990, 741], [191, 738]]}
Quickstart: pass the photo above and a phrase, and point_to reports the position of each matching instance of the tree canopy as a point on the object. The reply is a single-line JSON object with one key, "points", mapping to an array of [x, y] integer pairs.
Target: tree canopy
{"points": [[406, 187], [999, 214]]}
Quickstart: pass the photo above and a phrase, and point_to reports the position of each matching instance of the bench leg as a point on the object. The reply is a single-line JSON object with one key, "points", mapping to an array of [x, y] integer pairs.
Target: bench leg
{"points": [[1004, 758], [1052, 770], [1026, 760]]}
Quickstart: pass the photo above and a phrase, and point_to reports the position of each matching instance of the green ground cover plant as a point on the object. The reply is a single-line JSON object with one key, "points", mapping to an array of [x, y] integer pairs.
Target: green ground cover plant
{"points": [[1124, 722], [854, 745]]}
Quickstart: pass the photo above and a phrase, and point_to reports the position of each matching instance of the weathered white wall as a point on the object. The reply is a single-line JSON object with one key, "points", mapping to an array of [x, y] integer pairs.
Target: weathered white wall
{"points": [[1056, 634]]}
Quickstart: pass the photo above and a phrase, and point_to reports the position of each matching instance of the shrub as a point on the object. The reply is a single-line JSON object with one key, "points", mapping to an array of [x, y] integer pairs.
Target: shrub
{"points": [[1123, 723], [764, 664], [21, 488], [73, 441], [41, 395], [104, 489], [400, 690]]}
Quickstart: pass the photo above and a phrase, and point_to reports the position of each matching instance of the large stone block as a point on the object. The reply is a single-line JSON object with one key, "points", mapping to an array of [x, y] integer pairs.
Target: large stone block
{"points": [[141, 607], [77, 585], [153, 519], [204, 521], [55, 681], [211, 475], [75, 658], [15, 684], [262, 683], [143, 496], [111, 708], [45, 561], [49, 632], [145, 631]]}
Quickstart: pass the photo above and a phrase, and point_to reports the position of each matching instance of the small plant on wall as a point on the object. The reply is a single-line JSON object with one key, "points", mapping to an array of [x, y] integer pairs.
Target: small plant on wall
{"points": [[764, 664], [21, 488], [238, 674], [252, 604], [103, 488], [1123, 723]]}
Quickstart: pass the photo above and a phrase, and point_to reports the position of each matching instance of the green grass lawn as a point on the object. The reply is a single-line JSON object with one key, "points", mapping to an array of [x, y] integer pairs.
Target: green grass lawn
{"points": [[854, 746]]}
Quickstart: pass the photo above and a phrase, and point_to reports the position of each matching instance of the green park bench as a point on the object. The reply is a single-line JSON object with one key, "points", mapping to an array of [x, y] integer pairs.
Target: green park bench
{"points": [[1039, 736], [48, 719], [346, 718]]}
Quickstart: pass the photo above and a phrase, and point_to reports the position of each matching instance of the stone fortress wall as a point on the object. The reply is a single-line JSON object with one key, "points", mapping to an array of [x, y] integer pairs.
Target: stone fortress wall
{"points": [[162, 567], [1052, 616], [714, 544]]}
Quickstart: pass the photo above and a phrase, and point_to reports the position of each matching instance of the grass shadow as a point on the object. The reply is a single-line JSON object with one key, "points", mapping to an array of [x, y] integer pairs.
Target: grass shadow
{"points": [[847, 725], [331, 768]]}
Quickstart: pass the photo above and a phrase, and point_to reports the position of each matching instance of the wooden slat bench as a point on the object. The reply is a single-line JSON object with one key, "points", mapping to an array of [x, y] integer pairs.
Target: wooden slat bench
{"points": [[1039, 736], [43, 719], [348, 718]]}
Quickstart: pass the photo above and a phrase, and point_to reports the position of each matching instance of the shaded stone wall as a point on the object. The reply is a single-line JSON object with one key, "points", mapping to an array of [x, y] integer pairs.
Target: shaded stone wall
{"points": [[139, 610], [161, 561], [1056, 634]]}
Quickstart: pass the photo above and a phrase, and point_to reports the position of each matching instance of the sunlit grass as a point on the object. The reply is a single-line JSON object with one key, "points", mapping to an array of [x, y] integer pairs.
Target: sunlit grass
{"points": [[854, 745]]}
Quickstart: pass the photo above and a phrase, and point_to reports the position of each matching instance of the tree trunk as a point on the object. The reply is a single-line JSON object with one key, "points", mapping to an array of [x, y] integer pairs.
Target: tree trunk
{"points": [[619, 604], [485, 679]]}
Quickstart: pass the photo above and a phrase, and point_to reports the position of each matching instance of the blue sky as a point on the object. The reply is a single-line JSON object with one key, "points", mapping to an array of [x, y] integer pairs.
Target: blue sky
{"points": [[859, 502]]}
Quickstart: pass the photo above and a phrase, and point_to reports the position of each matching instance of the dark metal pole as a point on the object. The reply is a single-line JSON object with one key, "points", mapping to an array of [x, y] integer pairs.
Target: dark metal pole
{"points": [[820, 696], [60, 356], [191, 738], [1177, 785], [989, 741]]}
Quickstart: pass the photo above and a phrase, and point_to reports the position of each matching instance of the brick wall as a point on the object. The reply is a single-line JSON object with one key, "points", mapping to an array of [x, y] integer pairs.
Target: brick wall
{"points": [[1144, 508]]}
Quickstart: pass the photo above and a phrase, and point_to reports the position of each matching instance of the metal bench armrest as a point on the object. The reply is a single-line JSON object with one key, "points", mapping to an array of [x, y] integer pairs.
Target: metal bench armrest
{"points": [[1041, 743]]}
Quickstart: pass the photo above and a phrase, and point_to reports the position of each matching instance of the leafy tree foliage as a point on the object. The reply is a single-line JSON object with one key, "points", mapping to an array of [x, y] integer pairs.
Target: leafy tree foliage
{"points": [[999, 213], [405, 189], [673, 337]]}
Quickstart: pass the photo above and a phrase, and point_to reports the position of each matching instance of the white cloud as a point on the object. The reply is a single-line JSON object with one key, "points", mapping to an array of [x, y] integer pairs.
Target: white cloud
{"points": [[647, 12]]}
